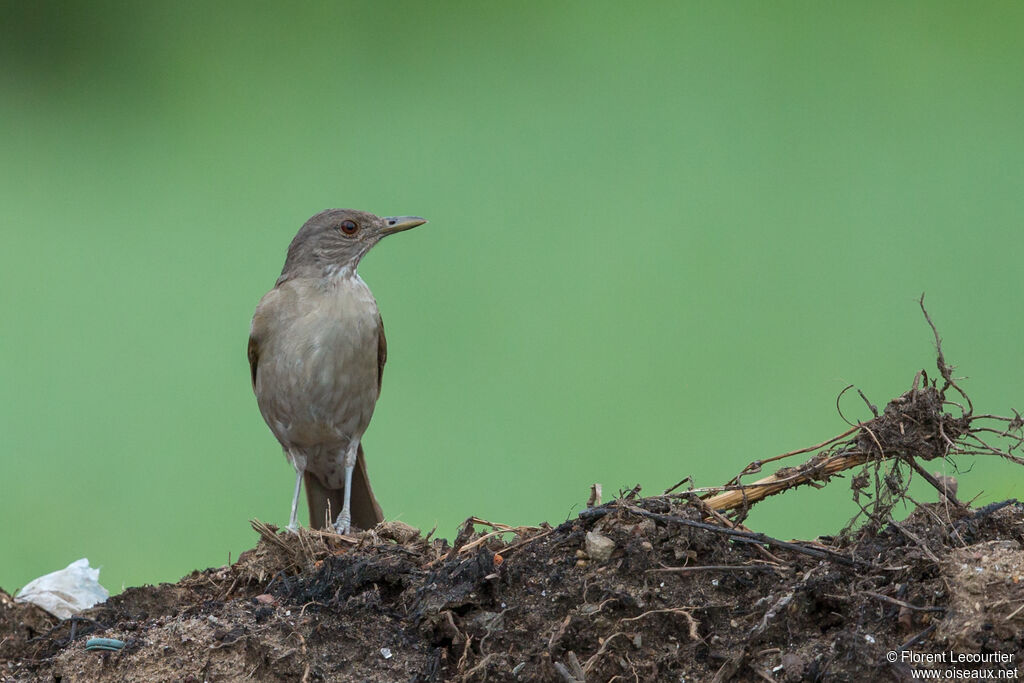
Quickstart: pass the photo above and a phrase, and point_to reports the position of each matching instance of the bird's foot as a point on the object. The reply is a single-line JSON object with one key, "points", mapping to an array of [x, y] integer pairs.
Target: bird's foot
{"points": [[292, 528], [343, 525]]}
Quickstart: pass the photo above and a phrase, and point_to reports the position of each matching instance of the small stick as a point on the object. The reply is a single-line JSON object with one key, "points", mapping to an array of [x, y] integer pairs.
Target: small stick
{"points": [[516, 546], [673, 488], [1014, 613], [483, 662], [934, 482], [901, 603], [918, 637]]}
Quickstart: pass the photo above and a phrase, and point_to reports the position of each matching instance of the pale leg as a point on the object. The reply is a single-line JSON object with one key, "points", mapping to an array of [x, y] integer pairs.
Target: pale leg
{"points": [[299, 463], [293, 523], [343, 524]]}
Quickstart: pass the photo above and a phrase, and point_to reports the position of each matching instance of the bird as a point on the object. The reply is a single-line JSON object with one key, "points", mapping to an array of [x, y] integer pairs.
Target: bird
{"points": [[316, 354]]}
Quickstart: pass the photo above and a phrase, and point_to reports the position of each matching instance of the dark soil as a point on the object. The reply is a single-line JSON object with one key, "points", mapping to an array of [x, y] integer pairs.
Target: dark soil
{"points": [[673, 602]]}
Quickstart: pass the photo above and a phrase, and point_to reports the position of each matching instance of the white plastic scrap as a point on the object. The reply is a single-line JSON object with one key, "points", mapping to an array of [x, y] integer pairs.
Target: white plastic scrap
{"points": [[385, 652], [66, 592]]}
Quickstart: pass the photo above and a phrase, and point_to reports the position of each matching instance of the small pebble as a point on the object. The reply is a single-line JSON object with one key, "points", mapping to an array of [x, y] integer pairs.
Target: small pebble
{"points": [[599, 547]]}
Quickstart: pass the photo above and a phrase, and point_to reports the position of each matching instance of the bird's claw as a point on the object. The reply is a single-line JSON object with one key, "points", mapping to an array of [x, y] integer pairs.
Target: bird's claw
{"points": [[342, 525]]}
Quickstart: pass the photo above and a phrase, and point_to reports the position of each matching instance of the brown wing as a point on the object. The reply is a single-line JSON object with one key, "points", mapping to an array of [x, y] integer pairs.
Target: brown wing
{"points": [[382, 353], [254, 359], [259, 330]]}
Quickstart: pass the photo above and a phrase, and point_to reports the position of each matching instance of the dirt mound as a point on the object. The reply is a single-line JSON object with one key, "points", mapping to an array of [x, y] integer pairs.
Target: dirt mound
{"points": [[631, 590]]}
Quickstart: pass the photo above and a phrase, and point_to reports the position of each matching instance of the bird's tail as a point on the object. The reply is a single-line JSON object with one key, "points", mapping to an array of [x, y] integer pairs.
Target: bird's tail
{"points": [[326, 503]]}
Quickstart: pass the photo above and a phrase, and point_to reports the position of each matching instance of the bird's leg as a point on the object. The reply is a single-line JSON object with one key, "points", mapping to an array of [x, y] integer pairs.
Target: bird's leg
{"points": [[343, 524], [299, 463], [293, 521]]}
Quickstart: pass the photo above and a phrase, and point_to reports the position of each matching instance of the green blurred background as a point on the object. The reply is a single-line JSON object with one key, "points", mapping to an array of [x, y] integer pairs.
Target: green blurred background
{"points": [[662, 239]]}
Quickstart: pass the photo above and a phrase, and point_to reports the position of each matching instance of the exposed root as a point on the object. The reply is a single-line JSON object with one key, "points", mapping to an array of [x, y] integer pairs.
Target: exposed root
{"points": [[913, 428]]}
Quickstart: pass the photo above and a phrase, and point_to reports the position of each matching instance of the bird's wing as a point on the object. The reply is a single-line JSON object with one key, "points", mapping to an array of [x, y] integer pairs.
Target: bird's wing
{"points": [[259, 330], [254, 358], [382, 352]]}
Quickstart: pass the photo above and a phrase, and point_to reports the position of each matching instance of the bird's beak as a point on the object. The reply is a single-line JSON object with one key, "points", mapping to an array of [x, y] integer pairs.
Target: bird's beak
{"points": [[393, 224]]}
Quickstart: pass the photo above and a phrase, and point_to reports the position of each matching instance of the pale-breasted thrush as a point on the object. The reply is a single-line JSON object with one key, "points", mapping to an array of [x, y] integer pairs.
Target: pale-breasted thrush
{"points": [[317, 352]]}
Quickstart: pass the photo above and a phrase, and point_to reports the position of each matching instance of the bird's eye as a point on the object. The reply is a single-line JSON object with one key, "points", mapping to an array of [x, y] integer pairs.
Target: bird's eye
{"points": [[349, 227]]}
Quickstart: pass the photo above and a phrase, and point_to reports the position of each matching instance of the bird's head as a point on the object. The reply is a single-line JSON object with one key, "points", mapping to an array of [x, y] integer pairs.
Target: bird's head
{"points": [[334, 241]]}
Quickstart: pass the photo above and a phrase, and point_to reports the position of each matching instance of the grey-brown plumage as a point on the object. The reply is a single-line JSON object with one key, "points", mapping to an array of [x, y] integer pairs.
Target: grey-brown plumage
{"points": [[317, 352]]}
